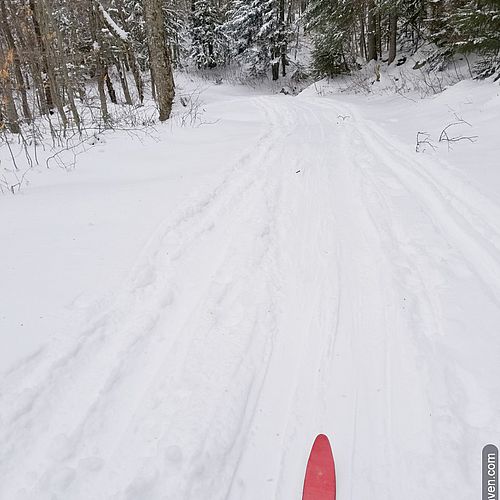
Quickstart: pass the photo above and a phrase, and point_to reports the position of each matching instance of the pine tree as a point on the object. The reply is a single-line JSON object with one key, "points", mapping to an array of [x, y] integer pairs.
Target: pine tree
{"points": [[469, 26], [260, 35], [274, 35], [177, 31], [242, 27], [332, 24], [209, 44], [474, 26]]}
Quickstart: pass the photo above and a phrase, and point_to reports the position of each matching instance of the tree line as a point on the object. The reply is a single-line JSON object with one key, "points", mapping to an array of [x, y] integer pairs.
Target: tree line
{"points": [[55, 53], [346, 32], [51, 50]]}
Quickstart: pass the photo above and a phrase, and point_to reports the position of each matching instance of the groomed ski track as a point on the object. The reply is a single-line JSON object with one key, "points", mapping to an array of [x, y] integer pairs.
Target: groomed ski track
{"points": [[313, 290]]}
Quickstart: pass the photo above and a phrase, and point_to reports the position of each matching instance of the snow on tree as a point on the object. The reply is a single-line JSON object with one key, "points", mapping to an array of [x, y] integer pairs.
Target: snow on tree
{"points": [[209, 44], [260, 34], [242, 26], [473, 26], [177, 32], [332, 24]]}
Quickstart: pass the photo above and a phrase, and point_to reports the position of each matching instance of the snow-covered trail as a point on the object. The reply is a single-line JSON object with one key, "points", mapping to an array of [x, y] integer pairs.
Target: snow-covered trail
{"points": [[329, 283]]}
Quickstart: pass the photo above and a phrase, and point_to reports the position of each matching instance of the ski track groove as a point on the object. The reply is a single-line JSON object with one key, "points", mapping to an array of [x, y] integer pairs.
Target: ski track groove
{"points": [[365, 162], [316, 314], [459, 223], [457, 242], [107, 320]]}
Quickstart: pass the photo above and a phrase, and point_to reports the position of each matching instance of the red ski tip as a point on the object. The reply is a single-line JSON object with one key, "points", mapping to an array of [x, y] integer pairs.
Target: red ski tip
{"points": [[320, 482]]}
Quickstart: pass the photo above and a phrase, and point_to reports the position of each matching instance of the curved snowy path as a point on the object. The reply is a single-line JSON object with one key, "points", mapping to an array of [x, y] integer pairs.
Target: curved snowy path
{"points": [[325, 285]]}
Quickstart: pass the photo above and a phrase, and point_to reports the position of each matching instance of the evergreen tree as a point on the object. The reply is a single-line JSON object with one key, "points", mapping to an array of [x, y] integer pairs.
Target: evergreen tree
{"points": [[242, 27], [332, 24], [177, 32], [260, 35], [209, 44], [274, 35], [469, 26], [472, 26]]}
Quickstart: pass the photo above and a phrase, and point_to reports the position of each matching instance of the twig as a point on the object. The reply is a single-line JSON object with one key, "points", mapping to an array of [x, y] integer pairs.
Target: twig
{"points": [[444, 137], [422, 139]]}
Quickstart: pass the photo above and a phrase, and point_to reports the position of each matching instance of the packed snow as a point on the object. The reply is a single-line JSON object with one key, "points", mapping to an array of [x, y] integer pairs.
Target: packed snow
{"points": [[182, 315]]}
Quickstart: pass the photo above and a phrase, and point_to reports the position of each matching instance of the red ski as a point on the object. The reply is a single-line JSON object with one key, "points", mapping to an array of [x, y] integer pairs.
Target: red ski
{"points": [[320, 482]]}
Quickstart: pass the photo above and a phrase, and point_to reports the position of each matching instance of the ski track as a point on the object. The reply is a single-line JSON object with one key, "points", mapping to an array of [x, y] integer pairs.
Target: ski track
{"points": [[305, 293]]}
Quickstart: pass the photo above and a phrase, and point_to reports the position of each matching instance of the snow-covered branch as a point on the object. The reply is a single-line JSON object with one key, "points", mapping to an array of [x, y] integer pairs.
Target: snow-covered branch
{"points": [[117, 30]]}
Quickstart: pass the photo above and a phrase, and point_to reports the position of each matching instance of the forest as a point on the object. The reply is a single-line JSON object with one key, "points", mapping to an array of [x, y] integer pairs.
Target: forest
{"points": [[67, 61]]}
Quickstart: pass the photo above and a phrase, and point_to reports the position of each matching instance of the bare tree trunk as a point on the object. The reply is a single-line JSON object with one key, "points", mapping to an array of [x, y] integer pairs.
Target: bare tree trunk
{"points": [[10, 108], [153, 85], [101, 77], [136, 72], [372, 46], [46, 32], [275, 69], [31, 55], [161, 64], [393, 33], [17, 62], [10, 111], [379, 34], [124, 41], [283, 45], [362, 37], [109, 86], [41, 48], [123, 79], [99, 64], [289, 17], [64, 68]]}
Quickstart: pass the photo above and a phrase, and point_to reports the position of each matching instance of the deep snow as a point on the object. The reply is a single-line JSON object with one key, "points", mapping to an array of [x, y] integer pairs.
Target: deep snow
{"points": [[181, 317]]}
